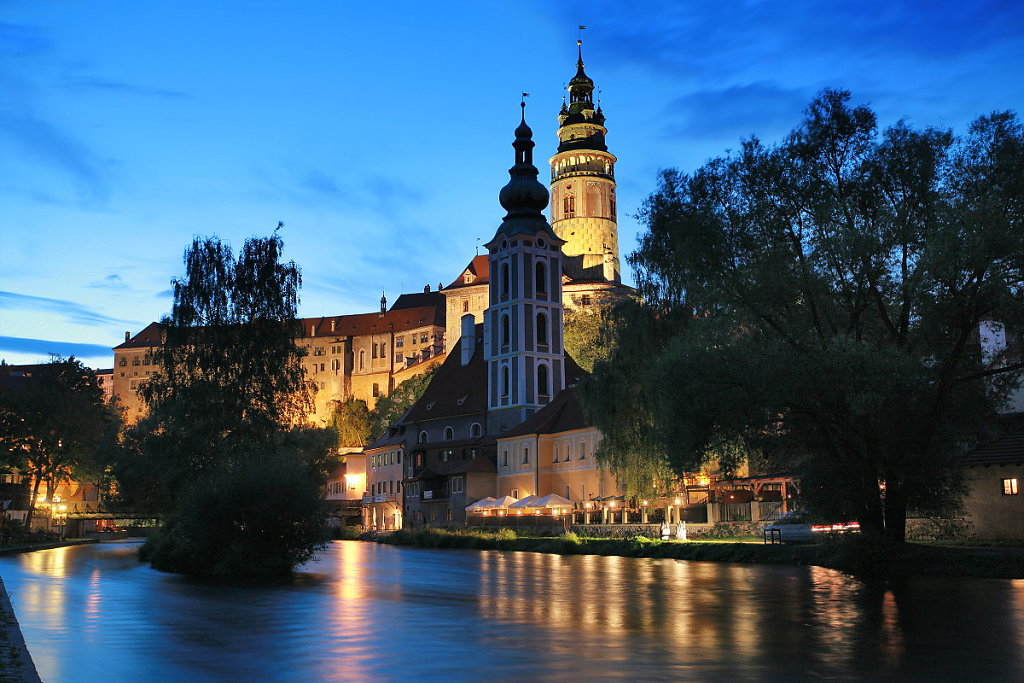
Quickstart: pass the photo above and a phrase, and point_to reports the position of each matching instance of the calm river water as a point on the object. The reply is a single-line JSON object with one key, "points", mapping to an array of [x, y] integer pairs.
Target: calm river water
{"points": [[372, 612]]}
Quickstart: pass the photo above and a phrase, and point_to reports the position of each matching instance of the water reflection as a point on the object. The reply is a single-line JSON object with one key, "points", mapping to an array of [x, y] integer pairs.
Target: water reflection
{"points": [[375, 612]]}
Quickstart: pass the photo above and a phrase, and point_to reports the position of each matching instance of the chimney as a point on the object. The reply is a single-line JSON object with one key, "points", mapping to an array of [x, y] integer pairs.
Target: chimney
{"points": [[127, 335], [383, 304], [468, 338], [426, 288], [333, 322]]}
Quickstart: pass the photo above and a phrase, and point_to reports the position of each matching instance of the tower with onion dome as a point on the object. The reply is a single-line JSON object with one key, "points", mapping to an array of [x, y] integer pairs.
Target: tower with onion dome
{"points": [[583, 186]]}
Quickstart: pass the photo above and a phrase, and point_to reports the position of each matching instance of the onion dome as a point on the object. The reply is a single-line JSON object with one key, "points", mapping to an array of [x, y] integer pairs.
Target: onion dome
{"points": [[524, 197]]}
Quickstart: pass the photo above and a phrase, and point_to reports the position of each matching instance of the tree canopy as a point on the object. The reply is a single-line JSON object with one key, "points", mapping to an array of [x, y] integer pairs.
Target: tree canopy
{"points": [[389, 408], [821, 299], [225, 402], [54, 424]]}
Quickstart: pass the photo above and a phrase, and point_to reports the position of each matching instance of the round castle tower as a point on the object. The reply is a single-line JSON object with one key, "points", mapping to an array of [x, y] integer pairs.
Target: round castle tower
{"points": [[583, 186]]}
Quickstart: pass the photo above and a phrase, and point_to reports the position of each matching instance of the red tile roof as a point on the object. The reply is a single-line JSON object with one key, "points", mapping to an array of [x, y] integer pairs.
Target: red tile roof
{"points": [[479, 267], [374, 323], [151, 335]]}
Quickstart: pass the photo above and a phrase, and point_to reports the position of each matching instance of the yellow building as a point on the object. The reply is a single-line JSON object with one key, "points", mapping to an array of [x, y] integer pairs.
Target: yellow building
{"points": [[553, 452], [361, 356]]}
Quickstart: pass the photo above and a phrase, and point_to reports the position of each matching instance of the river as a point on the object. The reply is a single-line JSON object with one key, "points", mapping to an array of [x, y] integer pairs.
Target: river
{"points": [[372, 612]]}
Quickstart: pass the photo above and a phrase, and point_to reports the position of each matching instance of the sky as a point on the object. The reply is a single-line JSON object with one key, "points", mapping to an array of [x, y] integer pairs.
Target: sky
{"points": [[380, 133]]}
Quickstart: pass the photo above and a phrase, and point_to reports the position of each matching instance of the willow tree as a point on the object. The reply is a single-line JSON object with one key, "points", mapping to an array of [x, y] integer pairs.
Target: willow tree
{"points": [[225, 404], [824, 297]]}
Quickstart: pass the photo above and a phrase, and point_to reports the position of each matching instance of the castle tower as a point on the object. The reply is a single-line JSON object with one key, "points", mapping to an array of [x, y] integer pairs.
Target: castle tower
{"points": [[523, 321], [583, 186]]}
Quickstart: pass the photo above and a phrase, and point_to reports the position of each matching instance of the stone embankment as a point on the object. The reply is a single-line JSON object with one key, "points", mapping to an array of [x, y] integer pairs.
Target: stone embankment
{"points": [[15, 662]]}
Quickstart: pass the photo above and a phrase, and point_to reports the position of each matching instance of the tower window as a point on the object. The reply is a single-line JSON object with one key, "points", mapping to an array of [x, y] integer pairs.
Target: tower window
{"points": [[543, 389], [568, 203], [505, 381], [542, 329], [541, 277], [506, 332], [505, 280]]}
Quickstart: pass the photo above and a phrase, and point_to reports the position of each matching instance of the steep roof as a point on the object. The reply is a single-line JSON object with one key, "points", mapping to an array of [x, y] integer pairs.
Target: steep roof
{"points": [[373, 323], [456, 389], [1007, 450], [418, 300], [480, 270], [151, 335], [563, 414]]}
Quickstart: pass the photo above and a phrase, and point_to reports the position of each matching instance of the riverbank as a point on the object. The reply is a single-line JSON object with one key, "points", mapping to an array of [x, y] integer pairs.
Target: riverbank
{"points": [[853, 554], [16, 663]]}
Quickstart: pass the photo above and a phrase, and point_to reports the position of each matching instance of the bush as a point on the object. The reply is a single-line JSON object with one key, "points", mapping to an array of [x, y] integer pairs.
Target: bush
{"points": [[257, 518]]}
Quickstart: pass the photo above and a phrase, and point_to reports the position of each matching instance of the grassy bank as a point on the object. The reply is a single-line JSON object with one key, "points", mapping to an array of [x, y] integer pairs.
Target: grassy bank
{"points": [[857, 555]]}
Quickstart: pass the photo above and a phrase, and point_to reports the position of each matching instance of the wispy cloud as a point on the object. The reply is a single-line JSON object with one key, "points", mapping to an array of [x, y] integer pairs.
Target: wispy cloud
{"points": [[38, 141], [730, 111], [45, 347], [375, 193], [82, 84], [113, 282], [71, 310]]}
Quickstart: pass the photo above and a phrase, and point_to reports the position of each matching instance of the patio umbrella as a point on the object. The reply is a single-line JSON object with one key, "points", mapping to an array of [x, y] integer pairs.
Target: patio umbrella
{"points": [[482, 504], [501, 503], [552, 500], [527, 502]]}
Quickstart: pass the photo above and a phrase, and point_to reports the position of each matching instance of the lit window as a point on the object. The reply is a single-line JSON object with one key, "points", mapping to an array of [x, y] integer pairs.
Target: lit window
{"points": [[1010, 487]]}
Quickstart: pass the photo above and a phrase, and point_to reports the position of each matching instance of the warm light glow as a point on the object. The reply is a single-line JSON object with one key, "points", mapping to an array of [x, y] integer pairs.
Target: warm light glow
{"points": [[678, 501], [611, 503], [646, 503], [587, 505]]}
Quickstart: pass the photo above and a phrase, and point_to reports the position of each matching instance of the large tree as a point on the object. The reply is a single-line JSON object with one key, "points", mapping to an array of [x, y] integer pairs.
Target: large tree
{"points": [[54, 424], [226, 402], [822, 298]]}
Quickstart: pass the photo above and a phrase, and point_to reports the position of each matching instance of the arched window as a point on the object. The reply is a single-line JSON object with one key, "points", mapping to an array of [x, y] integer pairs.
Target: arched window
{"points": [[543, 385], [475, 429], [568, 203], [422, 438], [542, 329], [505, 381], [449, 433], [541, 278], [506, 329], [506, 279]]}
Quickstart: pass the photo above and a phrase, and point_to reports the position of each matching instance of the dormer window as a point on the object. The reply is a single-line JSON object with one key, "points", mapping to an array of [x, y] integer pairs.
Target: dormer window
{"points": [[467, 278]]}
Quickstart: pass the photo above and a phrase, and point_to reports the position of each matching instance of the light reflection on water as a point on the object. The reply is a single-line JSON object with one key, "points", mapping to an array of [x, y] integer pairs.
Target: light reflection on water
{"points": [[369, 612]]}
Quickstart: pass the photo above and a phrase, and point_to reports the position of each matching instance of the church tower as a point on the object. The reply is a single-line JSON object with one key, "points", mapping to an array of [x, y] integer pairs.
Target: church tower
{"points": [[523, 322], [583, 186]]}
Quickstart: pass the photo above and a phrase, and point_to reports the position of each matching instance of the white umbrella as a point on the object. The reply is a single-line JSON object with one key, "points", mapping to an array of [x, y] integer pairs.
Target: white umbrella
{"points": [[528, 502], [481, 504], [501, 503], [552, 500]]}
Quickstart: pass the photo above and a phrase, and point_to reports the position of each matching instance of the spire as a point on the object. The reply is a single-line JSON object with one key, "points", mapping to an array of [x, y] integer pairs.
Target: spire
{"points": [[581, 110], [524, 197]]}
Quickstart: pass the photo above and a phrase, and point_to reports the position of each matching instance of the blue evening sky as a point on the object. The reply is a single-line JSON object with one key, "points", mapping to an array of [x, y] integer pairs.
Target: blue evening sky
{"points": [[380, 132]]}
